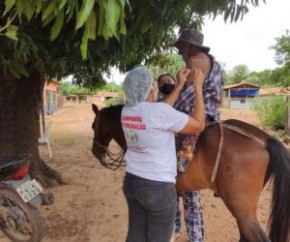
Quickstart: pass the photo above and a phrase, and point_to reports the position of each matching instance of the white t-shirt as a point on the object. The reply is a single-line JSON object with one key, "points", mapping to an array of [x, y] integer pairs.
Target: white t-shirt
{"points": [[149, 131]]}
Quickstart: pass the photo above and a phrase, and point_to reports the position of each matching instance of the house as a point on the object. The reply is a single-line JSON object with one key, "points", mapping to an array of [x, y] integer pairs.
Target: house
{"points": [[50, 97], [102, 96], [240, 95], [270, 91], [99, 97]]}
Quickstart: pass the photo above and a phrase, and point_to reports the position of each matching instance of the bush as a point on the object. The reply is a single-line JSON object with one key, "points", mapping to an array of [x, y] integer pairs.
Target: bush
{"points": [[69, 89], [271, 111], [114, 101]]}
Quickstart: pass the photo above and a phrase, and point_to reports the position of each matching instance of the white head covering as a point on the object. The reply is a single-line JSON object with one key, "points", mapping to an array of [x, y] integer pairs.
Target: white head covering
{"points": [[137, 85]]}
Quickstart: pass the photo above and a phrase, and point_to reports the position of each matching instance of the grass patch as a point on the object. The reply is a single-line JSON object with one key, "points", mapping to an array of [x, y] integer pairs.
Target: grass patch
{"points": [[66, 140]]}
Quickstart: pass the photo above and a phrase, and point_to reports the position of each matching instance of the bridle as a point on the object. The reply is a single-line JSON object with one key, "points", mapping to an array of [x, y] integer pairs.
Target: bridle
{"points": [[115, 160]]}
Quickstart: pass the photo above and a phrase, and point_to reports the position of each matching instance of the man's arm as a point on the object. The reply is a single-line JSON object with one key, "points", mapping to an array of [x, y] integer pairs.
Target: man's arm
{"points": [[196, 121]]}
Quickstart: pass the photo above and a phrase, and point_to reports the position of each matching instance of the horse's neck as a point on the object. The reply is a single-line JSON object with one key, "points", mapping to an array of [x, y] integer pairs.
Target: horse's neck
{"points": [[120, 138], [117, 131]]}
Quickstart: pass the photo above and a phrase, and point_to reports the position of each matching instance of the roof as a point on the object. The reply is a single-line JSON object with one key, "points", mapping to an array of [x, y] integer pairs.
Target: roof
{"points": [[275, 91], [242, 84]]}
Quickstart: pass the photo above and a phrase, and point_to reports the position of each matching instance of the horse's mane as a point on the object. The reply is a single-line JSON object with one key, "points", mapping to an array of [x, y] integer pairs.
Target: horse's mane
{"points": [[115, 109]]}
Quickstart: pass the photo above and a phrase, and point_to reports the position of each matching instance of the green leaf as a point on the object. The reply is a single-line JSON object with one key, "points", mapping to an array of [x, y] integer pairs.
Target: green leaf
{"points": [[19, 8], [22, 70], [61, 4], [101, 20], [12, 32], [113, 15], [48, 10], [38, 6], [164, 9], [84, 45], [9, 4], [48, 20], [91, 26], [84, 13], [28, 9], [122, 2], [71, 8], [17, 70], [57, 26], [123, 29], [146, 24]]}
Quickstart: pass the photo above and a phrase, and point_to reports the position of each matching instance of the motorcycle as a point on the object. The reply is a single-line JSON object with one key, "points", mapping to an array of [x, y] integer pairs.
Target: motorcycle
{"points": [[20, 196]]}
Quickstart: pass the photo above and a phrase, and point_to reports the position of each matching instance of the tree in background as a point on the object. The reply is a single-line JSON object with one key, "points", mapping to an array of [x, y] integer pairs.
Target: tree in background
{"points": [[67, 88], [282, 49], [166, 63], [271, 110], [262, 78], [84, 38], [238, 74], [282, 57]]}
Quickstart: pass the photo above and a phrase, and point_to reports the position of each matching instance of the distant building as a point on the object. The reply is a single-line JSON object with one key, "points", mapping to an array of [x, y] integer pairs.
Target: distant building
{"points": [[102, 96], [240, 95], [273, 91], [50, 97], [99, 97]]}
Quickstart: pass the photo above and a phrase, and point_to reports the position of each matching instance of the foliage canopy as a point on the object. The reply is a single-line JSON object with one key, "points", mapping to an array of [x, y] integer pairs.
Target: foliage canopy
{"points": [[282, 49], [86, 37]]}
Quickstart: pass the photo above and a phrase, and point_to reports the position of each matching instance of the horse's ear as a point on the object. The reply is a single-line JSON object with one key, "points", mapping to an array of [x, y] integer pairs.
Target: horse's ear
{"points": [[95, 108]]}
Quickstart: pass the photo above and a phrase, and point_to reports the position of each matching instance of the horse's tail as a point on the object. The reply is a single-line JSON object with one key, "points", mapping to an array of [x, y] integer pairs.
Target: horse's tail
{"points": [[279, 167]]}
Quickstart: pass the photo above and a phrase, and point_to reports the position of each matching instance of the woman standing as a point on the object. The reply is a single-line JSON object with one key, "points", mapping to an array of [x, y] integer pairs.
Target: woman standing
{"points": [[149, 128]]}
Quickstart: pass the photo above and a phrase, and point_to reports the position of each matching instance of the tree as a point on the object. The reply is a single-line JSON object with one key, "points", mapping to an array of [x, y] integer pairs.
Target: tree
{"points": [[282, 49], [282, 56], [44, 39], [238, 74], [262, 78], [167, 63]]}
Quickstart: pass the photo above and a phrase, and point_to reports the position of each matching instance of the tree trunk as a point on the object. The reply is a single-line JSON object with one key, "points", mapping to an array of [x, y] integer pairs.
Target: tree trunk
{"points": [[20, 103]]}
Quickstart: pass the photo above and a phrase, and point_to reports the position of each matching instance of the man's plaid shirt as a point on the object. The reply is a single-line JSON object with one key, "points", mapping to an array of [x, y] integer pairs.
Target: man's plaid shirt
{"points": [[212, 88]]}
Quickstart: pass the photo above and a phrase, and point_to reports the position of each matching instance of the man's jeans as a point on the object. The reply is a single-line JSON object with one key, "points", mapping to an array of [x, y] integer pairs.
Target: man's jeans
{"points": [[152, 207]]}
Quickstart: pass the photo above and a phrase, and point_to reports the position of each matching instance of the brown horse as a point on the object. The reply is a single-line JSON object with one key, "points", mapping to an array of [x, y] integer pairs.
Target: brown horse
{"points": [[248, 158]]}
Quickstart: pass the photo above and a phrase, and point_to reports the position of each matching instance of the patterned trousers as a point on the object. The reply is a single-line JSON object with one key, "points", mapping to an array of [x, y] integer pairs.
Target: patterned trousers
{"points": [[191, 200], [192, 215]]}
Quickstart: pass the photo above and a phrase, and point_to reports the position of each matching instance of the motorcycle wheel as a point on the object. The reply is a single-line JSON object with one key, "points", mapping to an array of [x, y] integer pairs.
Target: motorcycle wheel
{"points": [[19, 221]]}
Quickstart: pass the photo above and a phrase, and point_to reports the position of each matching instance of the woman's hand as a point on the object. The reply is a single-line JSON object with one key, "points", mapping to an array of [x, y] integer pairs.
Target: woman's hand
{"points": [[182, 76], [198, 78]]}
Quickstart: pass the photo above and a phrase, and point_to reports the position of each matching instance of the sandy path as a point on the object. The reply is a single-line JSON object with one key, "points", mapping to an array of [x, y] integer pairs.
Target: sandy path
{"points": [[91, 207]]}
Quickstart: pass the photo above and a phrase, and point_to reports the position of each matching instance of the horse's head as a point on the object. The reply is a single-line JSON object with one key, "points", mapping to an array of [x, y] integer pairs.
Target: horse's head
{"points": [[107, 126], [102, 136]]}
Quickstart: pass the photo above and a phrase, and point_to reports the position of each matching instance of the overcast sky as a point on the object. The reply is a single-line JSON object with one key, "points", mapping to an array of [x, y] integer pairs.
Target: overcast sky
{"points": [[247, 42]]}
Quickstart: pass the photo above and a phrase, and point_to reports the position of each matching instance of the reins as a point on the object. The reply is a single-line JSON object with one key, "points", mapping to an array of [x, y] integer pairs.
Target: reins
{"points": [[218, 156], [234, 129], [117, 160]]}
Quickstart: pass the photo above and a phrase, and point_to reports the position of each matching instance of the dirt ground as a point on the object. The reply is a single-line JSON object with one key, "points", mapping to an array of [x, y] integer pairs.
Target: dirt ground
{"points": [[91, 206]]}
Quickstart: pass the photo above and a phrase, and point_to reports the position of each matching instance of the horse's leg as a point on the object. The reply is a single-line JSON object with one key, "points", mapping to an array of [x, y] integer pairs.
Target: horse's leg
{"points": [[244, 210], [242, 238], [239, 183]]}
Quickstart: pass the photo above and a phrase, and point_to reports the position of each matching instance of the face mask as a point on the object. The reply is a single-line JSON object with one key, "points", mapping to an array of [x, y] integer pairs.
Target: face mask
{"points": [[166, 88]]}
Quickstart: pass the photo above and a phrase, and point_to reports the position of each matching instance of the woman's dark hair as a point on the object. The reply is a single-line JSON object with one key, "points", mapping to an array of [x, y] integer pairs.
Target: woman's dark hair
{"points": [[166, 74]]}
